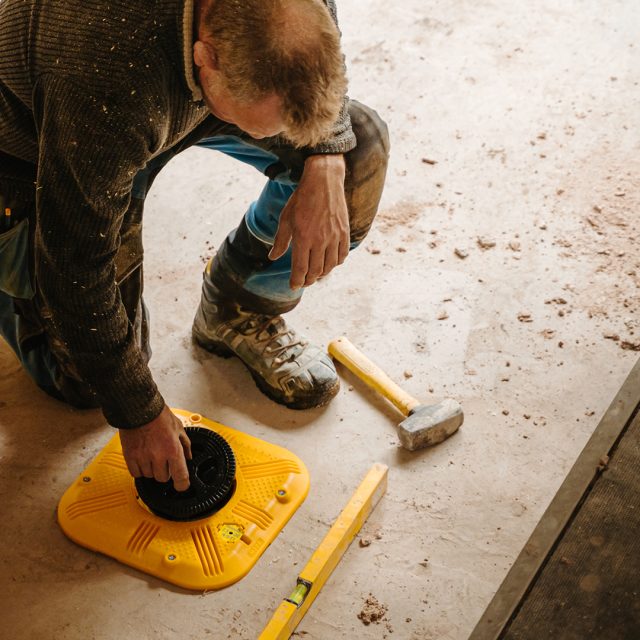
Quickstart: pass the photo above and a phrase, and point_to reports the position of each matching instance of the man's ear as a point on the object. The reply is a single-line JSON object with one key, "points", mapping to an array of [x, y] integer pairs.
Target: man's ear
{"points": [[204, 55]]}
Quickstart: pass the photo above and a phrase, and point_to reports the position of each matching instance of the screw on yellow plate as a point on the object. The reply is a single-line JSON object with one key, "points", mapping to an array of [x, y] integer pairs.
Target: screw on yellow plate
{"points": [[325, 558]]}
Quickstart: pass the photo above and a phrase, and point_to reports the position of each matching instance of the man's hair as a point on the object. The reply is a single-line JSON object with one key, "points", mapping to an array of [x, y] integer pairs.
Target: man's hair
{"points": [[287, 47]]}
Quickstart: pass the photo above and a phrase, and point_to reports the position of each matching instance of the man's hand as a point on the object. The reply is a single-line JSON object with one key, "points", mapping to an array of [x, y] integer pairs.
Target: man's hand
{"points": [[315, 221], [158, 449]]}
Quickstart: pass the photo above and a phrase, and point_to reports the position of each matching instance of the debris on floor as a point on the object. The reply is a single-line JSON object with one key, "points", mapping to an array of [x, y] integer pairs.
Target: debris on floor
{"points": [[461, 253], [485, 243], [372, 611]]}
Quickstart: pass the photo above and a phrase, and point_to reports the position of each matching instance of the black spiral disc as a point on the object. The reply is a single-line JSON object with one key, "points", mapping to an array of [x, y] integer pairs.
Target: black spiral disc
{"points": [[212, 471]]}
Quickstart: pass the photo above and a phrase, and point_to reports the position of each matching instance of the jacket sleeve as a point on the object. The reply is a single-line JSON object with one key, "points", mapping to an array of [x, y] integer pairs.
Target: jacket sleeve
{"points": [[342, 138], [89, 152]]}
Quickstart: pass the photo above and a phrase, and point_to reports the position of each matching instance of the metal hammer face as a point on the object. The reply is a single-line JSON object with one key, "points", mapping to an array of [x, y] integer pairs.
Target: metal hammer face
{"points": [[427, 425]]}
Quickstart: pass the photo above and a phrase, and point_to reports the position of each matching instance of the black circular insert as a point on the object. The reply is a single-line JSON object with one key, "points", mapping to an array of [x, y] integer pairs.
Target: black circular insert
{"points": [[212, 471]]}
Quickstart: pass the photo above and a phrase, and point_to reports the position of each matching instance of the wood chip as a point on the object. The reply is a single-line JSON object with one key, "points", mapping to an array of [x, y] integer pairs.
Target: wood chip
{"points": [[485, 243], [592, 222], [443, 315], [429, 161], [524, 316], [514, 245], [461, 253]]}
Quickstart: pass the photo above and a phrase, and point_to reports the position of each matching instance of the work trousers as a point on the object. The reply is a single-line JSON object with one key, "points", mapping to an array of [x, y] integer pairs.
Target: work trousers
{"points": [[241, 269]]}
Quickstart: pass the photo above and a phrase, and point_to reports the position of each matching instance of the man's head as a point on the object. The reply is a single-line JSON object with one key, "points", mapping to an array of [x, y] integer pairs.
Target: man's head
{"points": [[271, 66]]}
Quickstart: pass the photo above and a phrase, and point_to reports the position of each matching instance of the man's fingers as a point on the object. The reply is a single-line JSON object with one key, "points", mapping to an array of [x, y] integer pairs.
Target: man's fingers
{"points": [[158, 450], [179, 473], [133, 467], [343, 251], [146, 468], [186, 444], [299, 266], [161, 471], [331, 258], [316, 266], [282, 240]]}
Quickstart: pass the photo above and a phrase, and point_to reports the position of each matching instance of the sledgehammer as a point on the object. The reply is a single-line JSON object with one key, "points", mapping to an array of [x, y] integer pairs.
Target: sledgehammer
{"points": [[425, 425]]}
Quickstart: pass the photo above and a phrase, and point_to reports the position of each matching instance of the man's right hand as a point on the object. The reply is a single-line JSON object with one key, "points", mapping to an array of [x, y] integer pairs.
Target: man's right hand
{"points": [[158, 449]]}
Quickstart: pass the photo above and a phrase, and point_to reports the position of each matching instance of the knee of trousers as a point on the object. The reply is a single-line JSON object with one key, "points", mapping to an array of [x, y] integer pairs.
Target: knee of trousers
{"points": [[366, 168]]}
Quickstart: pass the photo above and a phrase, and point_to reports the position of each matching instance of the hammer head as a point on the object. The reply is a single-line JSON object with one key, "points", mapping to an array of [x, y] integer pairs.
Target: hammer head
{"points": [[427, 425]]}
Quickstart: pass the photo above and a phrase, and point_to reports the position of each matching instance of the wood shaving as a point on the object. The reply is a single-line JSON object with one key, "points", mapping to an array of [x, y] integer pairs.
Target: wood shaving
{"points": [[461, 253], [485, 244]]}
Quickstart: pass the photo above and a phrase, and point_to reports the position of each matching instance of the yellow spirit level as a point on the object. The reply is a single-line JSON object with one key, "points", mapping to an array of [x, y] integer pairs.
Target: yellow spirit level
{"points": [[327, 555]]}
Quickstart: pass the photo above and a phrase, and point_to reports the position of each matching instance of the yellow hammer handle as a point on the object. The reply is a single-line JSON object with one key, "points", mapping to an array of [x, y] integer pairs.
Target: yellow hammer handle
{"points": [[372, 375]]}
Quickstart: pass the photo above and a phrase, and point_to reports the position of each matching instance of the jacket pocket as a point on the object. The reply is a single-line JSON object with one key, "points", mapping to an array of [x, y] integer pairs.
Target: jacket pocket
{"points": [[14, 261]]}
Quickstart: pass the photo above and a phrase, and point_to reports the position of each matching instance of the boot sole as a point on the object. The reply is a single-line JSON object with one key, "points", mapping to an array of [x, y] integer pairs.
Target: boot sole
{"points": [[318, 400]]}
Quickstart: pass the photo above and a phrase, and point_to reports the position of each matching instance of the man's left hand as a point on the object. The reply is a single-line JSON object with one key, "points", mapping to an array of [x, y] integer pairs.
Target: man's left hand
{"points": [[315, 221]]}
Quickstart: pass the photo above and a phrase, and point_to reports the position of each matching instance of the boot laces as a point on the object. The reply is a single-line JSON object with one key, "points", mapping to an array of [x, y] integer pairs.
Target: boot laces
{"points": [[277, 340]]}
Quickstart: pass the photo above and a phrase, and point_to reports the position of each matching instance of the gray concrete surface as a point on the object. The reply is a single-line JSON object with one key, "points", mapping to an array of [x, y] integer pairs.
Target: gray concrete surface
{"points": [[530, 112]]}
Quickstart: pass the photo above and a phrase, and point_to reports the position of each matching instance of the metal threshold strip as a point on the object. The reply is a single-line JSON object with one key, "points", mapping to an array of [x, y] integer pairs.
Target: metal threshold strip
{"points": [[560, 514]]}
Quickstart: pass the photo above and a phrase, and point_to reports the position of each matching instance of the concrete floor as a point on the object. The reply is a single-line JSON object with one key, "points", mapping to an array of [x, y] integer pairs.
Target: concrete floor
{"points": [[530, 112]]}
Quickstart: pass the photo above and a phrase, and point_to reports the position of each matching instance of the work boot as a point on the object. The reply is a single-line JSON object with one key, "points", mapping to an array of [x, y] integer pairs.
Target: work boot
{"points": [[284, 365]]}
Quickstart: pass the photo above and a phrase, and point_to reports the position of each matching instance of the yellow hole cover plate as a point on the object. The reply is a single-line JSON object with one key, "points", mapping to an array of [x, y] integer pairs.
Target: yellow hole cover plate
{"points": [[101, 511]]}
